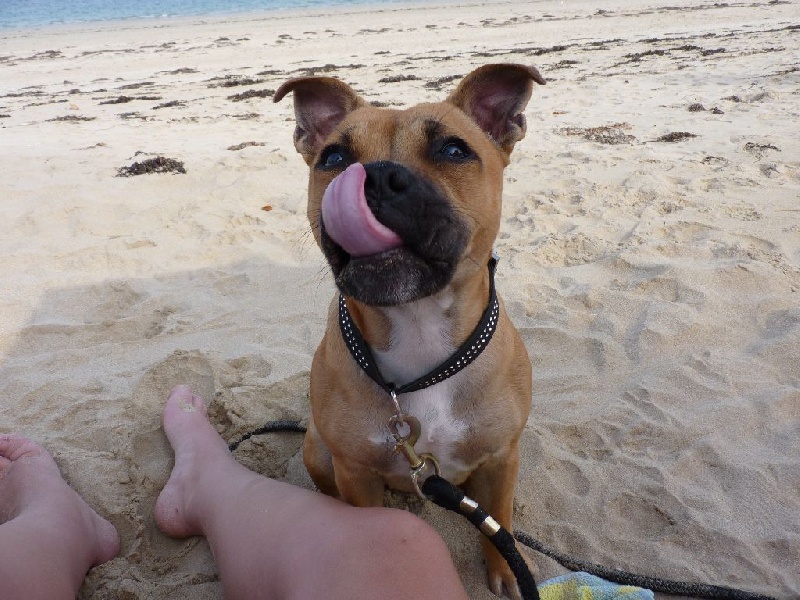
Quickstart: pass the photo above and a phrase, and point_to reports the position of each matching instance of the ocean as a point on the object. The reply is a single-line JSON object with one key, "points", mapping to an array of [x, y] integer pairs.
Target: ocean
{"points": [[38, 13]]}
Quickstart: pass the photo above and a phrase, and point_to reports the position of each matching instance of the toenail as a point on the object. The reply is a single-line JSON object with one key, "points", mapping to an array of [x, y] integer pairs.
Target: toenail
{"points": [[186, 406]]}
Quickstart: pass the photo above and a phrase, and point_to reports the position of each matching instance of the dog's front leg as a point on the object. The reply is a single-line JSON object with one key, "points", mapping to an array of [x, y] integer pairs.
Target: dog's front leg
{"points": [[318, 462], [492, 486], [358, 485]]}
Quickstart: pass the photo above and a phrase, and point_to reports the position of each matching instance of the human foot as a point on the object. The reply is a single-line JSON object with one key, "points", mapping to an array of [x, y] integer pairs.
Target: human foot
{"points": [[41, 515], [199, 452]]}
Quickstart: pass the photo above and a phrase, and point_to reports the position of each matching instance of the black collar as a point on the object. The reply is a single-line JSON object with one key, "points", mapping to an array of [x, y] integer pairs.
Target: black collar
{"points": [[468, 352]]}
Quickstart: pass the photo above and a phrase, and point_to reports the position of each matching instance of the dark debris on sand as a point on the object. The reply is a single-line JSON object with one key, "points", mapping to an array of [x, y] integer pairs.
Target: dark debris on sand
{"points": [[136, 86], [398, 78], [697, 107], [759, 150], [181, 71], [71, 119], [438, 84], [605, 134], [676, 136], [233, 81], [328, 68], [159, 164], [126, 99], [170, 104], [244, 145], [252, 94]]}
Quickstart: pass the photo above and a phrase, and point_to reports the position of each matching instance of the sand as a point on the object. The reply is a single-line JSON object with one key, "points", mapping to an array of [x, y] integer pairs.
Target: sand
{"points": [[650, 248]]}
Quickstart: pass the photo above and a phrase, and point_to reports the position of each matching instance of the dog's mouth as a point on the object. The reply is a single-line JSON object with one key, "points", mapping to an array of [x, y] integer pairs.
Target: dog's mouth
{"points": [[389, 236], [348, 218]]}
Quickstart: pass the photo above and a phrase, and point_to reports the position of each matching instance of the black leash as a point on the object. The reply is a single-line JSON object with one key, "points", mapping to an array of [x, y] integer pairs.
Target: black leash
{"points": [[656, 584], [445, 494], [448, 496], [272, 426]]}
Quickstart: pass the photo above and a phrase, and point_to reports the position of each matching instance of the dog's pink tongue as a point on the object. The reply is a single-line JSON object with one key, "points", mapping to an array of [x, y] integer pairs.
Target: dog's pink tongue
{"points": [[349, 221]]}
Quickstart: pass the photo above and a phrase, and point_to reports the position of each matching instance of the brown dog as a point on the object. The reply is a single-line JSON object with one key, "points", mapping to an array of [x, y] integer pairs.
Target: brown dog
{"points": [[405, 205]]}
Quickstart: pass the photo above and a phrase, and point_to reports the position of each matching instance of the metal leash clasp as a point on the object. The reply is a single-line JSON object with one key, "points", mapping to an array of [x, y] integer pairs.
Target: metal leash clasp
{"points": [[399, 424]]}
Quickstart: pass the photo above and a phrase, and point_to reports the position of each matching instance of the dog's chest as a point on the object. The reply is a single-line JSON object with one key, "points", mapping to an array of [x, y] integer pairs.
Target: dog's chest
{"points": [[420, 342], [442, 433]]}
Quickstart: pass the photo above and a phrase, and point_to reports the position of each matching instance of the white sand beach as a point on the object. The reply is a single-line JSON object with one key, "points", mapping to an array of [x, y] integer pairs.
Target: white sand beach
{"points": [[650, 256]]}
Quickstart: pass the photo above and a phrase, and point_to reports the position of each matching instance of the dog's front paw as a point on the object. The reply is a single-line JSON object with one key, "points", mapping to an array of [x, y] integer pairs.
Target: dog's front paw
{"points": [[501, 579]]}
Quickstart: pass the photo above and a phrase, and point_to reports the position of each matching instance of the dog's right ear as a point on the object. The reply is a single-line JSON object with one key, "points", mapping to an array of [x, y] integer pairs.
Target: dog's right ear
{"points": [[320, 104]]}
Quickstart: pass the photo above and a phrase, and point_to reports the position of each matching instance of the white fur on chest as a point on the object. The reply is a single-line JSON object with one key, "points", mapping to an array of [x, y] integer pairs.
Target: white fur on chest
{"points": [[421, 341]]}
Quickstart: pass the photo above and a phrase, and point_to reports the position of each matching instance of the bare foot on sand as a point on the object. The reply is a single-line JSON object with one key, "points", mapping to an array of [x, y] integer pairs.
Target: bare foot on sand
{"points": [[199, 452], [49, 536], [267, 536]]}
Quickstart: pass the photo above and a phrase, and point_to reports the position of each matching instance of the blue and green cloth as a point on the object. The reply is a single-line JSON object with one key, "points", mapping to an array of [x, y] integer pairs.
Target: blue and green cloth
{"points": [[583, 586]]}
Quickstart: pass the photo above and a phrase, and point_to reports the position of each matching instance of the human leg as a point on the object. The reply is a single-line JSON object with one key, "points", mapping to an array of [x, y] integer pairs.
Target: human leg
{"points": [[274, 540], [49, 536]]}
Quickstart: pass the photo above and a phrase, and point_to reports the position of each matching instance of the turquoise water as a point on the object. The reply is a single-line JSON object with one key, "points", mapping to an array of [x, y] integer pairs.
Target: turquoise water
{"points": [[36, 13]]}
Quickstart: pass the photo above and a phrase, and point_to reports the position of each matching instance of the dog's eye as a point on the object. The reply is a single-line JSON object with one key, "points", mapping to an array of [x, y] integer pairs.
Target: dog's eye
{"points": [[333, 157], [455, 150]]}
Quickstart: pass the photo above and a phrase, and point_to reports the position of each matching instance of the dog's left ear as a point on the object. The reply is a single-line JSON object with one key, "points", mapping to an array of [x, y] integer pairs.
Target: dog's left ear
{"points": [[320, 104], [495, 97]]}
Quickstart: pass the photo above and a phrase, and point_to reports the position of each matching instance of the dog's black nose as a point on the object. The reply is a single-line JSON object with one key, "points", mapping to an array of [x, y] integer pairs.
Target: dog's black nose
{"points": [[385, 179]]}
